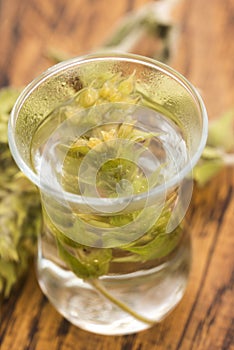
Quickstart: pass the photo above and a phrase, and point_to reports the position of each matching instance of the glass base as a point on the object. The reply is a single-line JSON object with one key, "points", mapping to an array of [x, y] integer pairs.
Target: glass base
{"points": [[150, 293]]}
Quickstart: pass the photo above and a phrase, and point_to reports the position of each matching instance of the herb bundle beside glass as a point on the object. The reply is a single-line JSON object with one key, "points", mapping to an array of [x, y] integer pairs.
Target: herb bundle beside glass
{"points": [[20, 208]]}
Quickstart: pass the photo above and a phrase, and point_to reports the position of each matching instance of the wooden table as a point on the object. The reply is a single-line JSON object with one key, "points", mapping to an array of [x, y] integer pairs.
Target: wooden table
{"points": [[205, 55]]}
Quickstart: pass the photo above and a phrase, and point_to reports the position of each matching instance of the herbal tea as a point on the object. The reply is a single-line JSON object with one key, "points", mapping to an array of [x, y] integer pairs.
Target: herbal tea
{"points": [[107, 142], [110, 140]]}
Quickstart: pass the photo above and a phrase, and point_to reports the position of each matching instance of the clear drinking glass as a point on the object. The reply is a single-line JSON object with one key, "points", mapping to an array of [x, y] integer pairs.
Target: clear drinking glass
{"points": [[111, 140]]}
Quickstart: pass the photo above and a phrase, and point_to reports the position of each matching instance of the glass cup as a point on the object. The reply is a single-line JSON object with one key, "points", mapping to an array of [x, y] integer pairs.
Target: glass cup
{"points": [[111, 140]]}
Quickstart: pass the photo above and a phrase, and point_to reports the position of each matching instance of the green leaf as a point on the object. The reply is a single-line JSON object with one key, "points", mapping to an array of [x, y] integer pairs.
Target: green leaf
{"points": [[206, 170], [88, 263], [8, 277], [8, 97], [211, 153], [221, 132], [159, 247]]}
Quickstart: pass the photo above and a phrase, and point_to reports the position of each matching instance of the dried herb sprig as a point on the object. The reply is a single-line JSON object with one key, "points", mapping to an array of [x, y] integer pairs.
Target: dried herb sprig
{"points": [[152, 22], [219, 150], [19, 207]]}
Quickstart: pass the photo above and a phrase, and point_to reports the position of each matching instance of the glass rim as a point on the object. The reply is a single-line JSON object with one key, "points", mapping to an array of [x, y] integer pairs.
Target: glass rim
{"points": [[68, 64]]}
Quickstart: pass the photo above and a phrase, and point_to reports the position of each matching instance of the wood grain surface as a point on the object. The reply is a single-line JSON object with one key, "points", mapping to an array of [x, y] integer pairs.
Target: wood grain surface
{"points": [[204, 320]]}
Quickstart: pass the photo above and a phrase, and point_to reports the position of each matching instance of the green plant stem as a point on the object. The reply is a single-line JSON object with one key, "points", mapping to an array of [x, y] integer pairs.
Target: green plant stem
{"points": [[99, 287]]}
